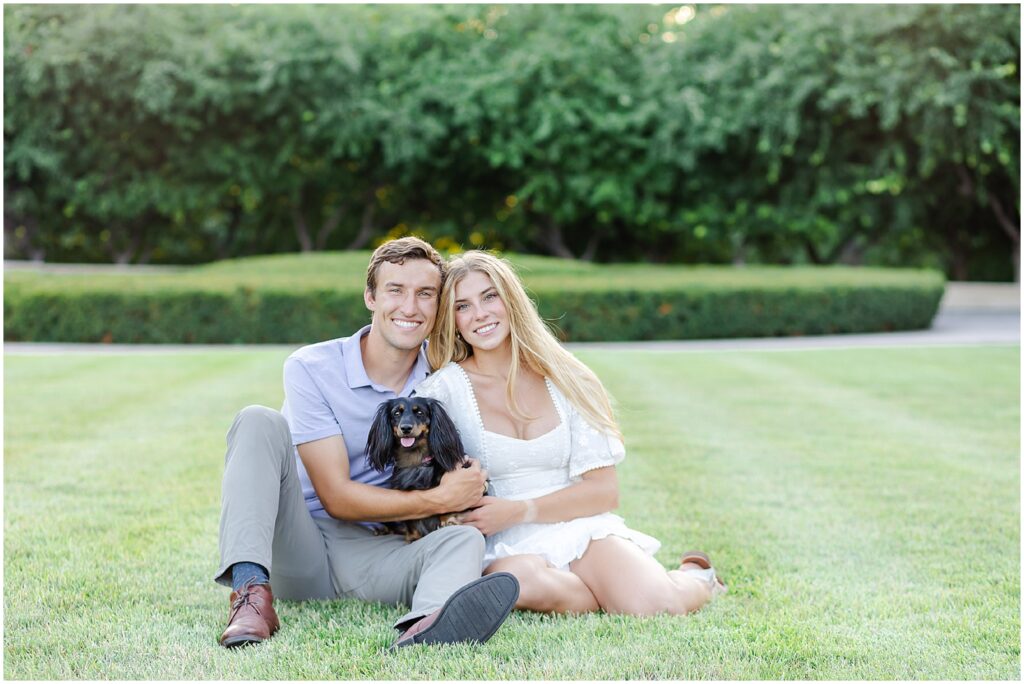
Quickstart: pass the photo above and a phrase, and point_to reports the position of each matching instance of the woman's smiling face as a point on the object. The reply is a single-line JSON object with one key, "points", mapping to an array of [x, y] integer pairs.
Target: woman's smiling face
{"points": [[480, 315]]}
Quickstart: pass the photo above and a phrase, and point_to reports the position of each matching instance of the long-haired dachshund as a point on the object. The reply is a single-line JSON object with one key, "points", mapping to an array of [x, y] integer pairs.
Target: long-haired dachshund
{"points": [[417, 437]]}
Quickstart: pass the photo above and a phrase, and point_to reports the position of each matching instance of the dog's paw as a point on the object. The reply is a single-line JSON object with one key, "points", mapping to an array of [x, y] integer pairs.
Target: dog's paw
{"points": [[450, 519]]}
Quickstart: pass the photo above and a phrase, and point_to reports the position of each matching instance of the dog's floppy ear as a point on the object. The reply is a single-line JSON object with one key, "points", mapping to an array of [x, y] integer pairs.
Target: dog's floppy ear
{"points": [[443, 440], [380, 443]]}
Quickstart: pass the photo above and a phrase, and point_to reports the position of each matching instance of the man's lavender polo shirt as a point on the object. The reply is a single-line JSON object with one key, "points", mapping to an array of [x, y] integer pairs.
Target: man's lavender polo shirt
{"points": [[326, 393]]}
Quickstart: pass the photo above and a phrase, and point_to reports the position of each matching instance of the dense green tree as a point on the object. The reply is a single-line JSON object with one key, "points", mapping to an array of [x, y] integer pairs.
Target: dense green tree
{"points": [[777, 134], [841, 127]]}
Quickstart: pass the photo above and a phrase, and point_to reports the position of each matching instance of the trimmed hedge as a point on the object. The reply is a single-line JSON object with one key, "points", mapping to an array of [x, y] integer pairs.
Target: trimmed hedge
{"points": [[226, 303], [746, 312]]}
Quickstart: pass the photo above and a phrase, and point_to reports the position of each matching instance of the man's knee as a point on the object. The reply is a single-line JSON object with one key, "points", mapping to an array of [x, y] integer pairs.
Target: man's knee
{"points": [[256, 419], [462, 537], [260, 430], [261, 416]]}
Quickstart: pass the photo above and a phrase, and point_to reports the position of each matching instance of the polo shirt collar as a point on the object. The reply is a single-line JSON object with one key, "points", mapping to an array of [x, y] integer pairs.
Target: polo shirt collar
{"points": [[352, 354], [420, 369], [355, 371]]}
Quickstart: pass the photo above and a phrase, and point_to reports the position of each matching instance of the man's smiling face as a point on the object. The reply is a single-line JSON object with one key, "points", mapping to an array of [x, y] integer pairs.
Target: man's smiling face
{"points": [[405, 304]]}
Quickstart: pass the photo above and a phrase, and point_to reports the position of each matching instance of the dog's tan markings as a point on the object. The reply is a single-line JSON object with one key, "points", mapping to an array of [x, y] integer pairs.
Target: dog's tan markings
{"points": [[409, 459]]}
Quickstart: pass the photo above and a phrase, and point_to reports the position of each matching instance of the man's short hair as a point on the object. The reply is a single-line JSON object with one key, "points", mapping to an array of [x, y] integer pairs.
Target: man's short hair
{"points": [[396, 252]]}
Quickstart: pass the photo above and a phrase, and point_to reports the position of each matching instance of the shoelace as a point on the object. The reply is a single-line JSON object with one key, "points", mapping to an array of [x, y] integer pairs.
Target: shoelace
{"points": [[245, 599]]}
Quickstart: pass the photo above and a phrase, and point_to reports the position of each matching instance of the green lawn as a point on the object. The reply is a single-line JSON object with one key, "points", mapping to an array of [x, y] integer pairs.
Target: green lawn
{"points": [[864, 506]]}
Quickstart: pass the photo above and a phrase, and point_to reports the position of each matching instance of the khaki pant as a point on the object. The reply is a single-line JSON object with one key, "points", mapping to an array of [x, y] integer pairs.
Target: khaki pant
{"points": [[264, 520]]}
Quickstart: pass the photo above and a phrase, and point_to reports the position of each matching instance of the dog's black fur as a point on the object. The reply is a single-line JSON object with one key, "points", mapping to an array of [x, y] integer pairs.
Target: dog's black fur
{"points": [[436, 449]]}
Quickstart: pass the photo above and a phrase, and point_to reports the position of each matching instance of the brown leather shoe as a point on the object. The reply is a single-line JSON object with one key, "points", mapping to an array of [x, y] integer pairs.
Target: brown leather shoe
{"points": [[252, 618]]}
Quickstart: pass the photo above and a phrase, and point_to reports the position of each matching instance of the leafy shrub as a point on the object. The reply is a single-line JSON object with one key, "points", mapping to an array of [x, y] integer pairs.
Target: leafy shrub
{"points": [[301, 300], [783, 134]]}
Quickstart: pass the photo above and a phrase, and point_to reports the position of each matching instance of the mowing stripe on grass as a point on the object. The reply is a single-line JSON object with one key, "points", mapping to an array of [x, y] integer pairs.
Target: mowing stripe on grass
{"points": [[837, 536], [862, 505]]}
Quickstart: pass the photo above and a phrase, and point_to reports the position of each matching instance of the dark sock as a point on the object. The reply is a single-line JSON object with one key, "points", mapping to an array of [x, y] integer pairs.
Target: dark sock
{"points": [[248, 573]]}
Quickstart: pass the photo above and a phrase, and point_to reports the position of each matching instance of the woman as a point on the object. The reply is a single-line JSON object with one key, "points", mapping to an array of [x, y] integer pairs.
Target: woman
{"points": [[541, 423]]}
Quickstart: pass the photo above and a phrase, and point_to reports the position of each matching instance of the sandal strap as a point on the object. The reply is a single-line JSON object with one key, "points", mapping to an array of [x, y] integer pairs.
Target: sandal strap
{"points": [[709, 577], [706, 575], [698, 557]]}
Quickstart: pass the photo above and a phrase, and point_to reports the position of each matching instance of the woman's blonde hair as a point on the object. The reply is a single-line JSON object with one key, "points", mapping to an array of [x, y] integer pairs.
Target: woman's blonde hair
{"points": [[532, 342]]}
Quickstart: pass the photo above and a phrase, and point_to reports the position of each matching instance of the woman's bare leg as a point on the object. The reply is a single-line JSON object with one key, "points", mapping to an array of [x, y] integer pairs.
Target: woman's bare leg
{"points": [[545, 589], [624, 579]]}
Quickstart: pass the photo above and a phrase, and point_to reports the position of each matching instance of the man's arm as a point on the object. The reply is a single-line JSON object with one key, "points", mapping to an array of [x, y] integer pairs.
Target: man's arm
{"points": [[326, 462]]}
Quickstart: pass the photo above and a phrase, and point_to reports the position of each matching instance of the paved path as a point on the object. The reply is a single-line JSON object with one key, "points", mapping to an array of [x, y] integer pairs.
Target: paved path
{"points": [[981, 297], [948, 329]]}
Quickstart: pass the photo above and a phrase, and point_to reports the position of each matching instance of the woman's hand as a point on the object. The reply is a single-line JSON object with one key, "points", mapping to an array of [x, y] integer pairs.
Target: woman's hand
{"points": [[494, 515], [596, 492]]}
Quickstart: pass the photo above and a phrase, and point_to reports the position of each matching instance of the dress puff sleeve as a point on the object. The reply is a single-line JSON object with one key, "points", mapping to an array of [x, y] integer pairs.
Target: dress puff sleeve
{"points": [[434, 387], [591, 448]]}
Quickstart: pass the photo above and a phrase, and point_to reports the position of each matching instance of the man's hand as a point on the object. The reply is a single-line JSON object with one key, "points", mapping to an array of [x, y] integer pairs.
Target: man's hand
{"points": [[461, 488]]}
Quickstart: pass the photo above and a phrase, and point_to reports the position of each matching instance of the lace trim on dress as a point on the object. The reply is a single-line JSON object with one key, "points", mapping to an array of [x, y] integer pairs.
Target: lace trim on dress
{"points": [[553, 431], [554, 400], [563, 419], [476, 410]]}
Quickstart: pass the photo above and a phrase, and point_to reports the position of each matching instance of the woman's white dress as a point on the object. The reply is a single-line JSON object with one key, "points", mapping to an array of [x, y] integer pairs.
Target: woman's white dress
{"points": [[526, 469]]}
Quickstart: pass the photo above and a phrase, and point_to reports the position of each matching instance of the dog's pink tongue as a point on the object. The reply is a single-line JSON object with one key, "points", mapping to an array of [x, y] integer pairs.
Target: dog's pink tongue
{"points": [[408, 441]]}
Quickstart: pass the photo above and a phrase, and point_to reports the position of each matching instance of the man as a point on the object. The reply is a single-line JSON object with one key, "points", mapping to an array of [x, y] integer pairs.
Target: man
{"points": [[298, 497]]}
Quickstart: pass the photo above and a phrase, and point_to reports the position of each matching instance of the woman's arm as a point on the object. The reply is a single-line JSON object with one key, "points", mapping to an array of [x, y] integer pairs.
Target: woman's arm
{"points": [[597, 492]]}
